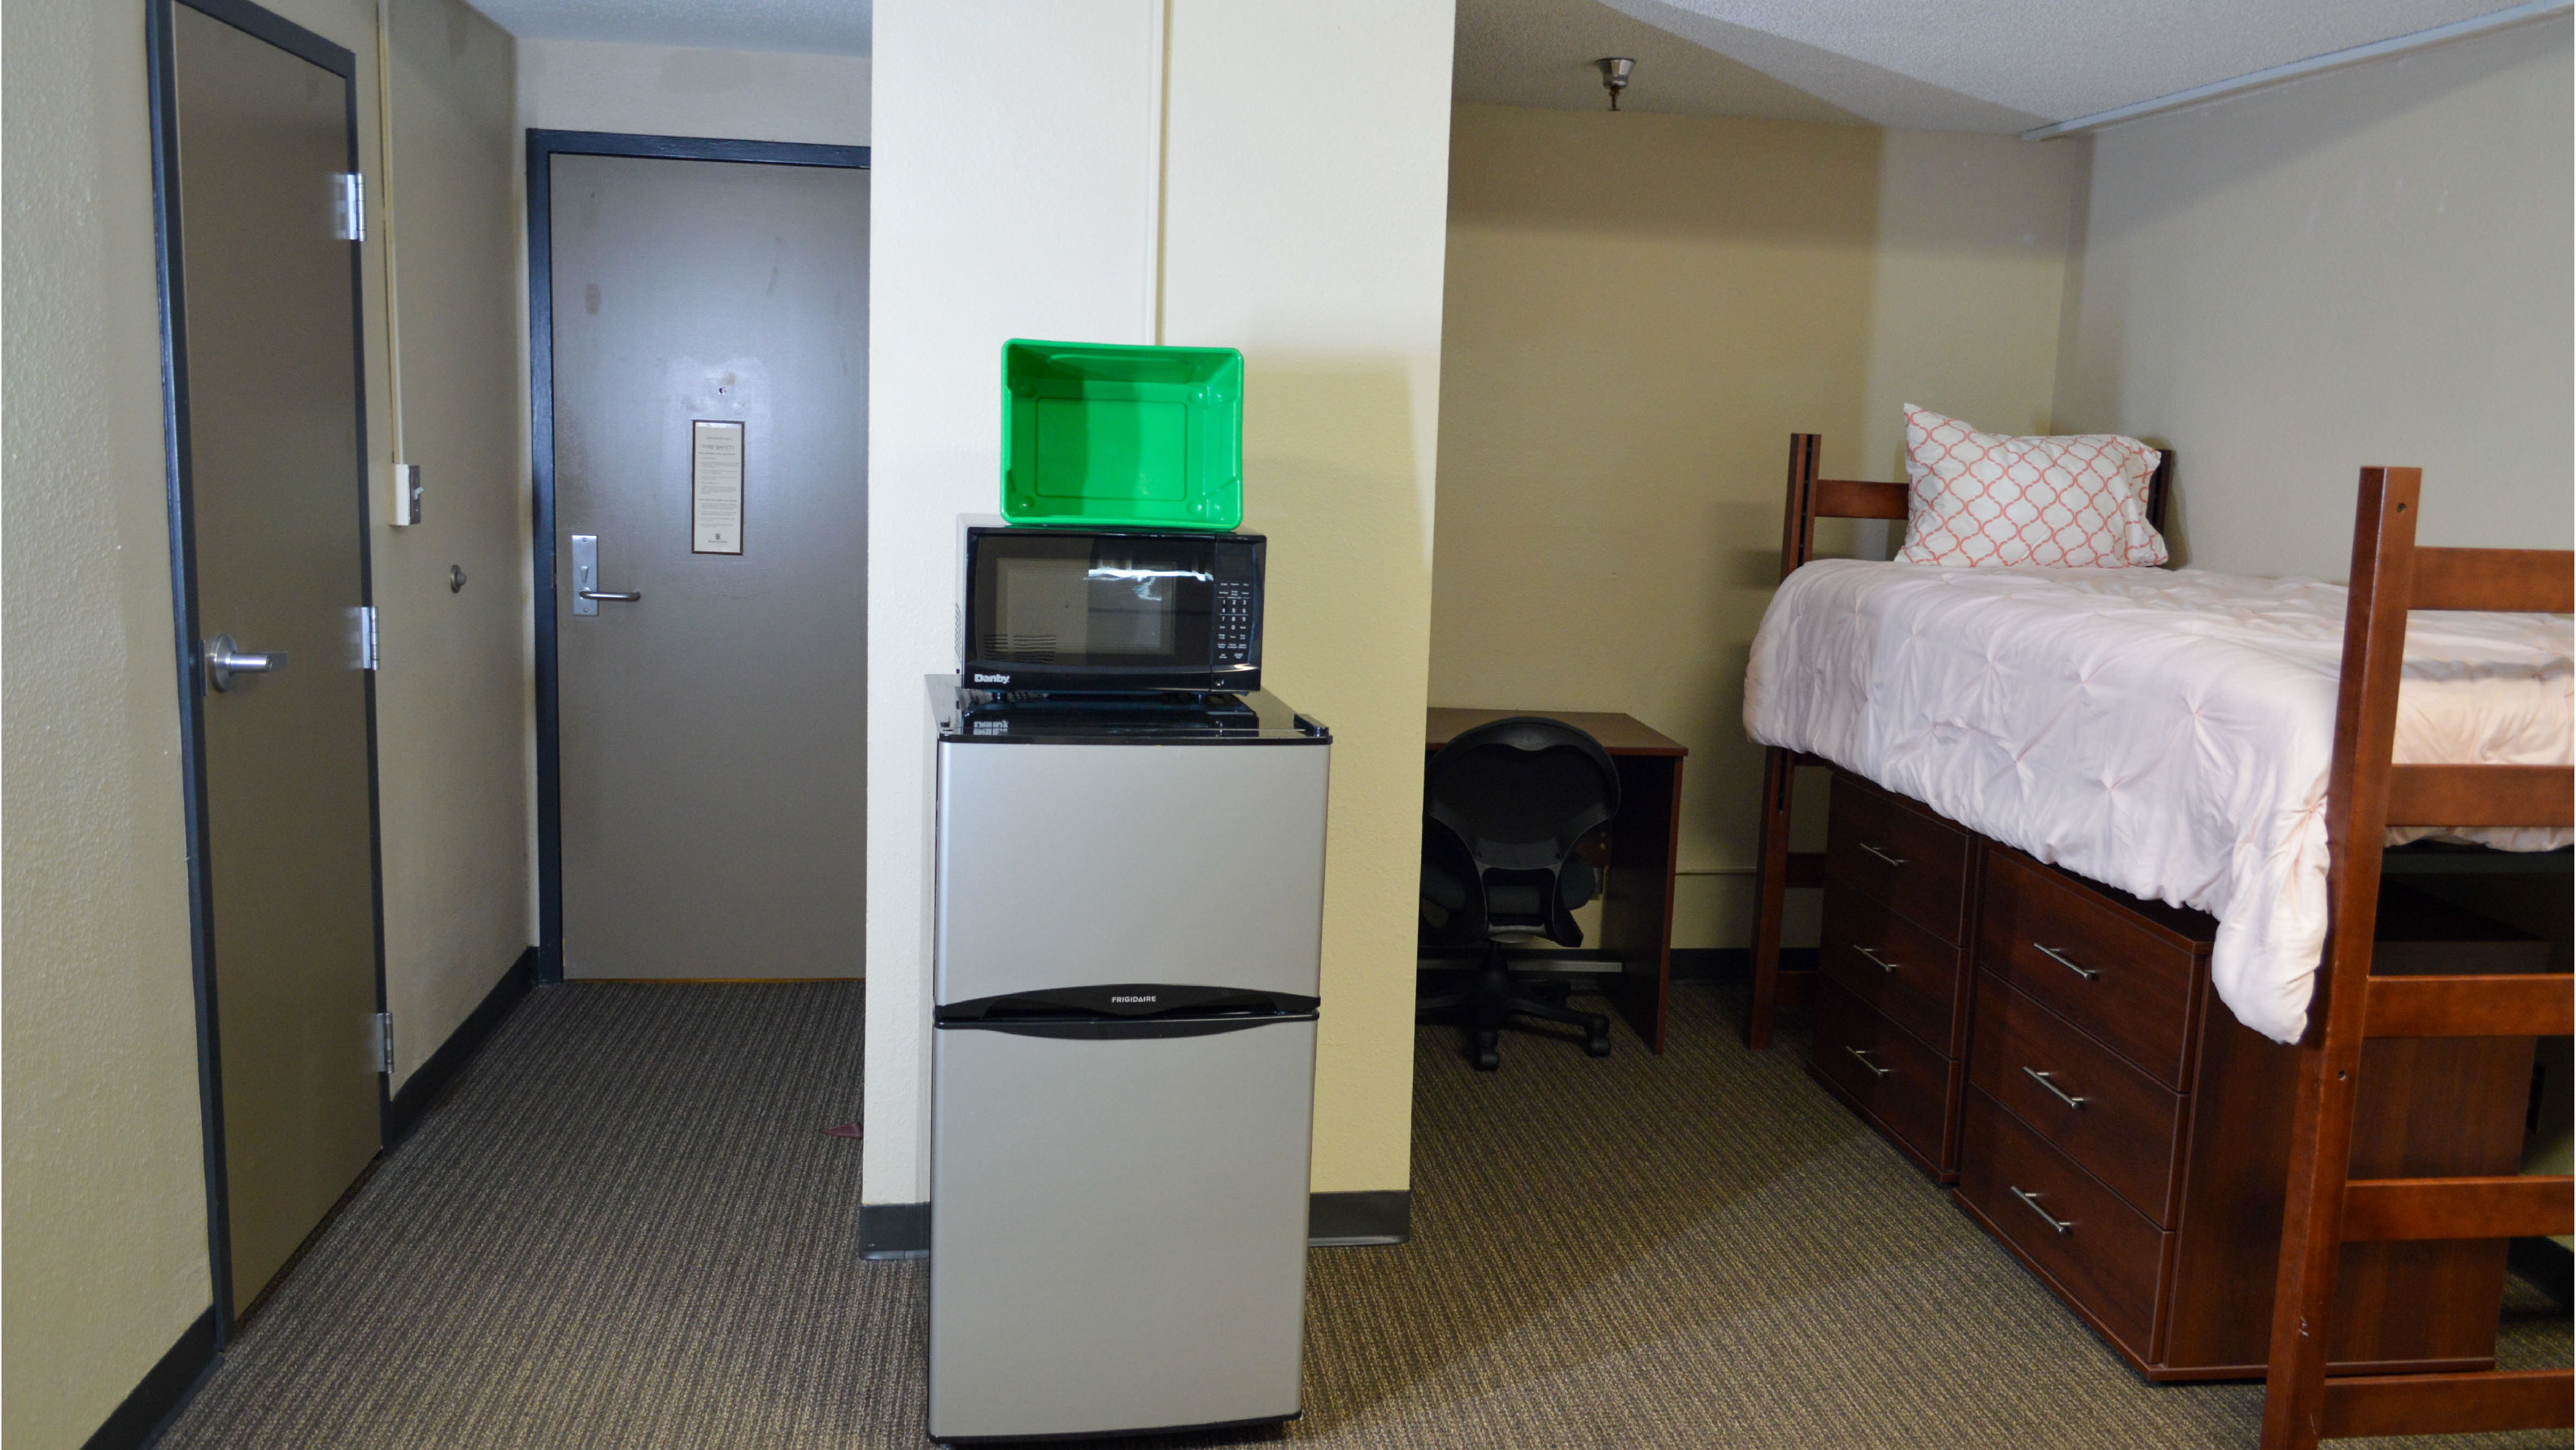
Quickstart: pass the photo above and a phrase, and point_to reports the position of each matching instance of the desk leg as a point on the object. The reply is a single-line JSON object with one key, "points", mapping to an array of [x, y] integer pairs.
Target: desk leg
{"points": [[1637, 900], [1770, 890]]}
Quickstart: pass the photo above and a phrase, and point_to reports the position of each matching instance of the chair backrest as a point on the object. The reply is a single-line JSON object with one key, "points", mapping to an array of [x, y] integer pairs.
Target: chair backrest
{"points": [[1519, 792], [1812, 498]]}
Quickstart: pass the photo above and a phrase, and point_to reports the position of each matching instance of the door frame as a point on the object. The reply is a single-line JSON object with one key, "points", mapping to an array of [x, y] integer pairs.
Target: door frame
{"points": [[161, 56], [543, 147]]}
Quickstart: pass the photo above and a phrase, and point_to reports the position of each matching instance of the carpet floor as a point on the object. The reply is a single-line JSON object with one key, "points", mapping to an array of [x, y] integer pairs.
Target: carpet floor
{"points": [[625, 1227]]}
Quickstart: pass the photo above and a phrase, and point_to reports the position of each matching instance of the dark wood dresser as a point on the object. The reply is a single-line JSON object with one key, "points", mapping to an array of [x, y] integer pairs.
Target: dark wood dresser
{"points": [[1892, 972], [2056, 1049]]}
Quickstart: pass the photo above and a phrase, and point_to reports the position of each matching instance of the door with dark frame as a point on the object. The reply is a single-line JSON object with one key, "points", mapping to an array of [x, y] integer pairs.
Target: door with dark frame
{"points": [[257, 136], [702, 476]]}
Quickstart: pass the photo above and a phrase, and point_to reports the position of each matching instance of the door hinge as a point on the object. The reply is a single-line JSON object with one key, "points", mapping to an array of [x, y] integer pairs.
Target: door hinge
{"points": [[367, 637], [381, 1027], [349, 206]]}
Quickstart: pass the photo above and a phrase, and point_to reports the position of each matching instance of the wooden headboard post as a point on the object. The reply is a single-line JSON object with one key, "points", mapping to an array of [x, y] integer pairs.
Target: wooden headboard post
{"points": [[1812, 498], [2159, 487]]}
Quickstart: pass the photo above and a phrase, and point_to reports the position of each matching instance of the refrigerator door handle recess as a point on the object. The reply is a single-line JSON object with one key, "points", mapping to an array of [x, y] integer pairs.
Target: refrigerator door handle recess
{"points": [[1099, 1029]]}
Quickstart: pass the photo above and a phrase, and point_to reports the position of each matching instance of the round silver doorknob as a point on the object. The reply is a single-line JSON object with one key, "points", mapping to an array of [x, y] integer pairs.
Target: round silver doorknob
{"points": [[225, 658]]}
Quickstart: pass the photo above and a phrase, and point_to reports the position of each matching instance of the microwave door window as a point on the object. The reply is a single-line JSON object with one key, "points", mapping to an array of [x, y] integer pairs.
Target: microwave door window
{"points": [[1041, 612], [1148, 607], [1131, 612]]}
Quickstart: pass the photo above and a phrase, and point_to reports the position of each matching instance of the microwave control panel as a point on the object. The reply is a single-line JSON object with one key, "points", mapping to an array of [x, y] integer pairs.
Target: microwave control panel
{"points": [[1234, 621]]}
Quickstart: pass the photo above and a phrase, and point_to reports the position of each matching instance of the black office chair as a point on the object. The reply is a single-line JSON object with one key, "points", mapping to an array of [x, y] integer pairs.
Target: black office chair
{"points": [[1505, 804]]}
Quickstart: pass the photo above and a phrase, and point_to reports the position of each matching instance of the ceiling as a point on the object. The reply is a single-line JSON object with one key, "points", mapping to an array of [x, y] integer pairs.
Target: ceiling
{"points": [[1965, 65], [1949, 65], [810, 27]]}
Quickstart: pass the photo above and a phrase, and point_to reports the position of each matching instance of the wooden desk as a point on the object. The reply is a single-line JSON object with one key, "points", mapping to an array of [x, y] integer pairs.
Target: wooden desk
{"points": [[1637, 895]]}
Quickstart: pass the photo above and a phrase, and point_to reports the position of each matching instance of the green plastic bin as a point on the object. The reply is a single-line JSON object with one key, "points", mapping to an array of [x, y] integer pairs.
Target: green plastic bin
{"points": [[1104, 434]]}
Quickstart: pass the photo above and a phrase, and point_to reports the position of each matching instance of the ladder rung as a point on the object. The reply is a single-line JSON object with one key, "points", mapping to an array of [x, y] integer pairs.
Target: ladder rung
{"points": [[2515, 581], [2457, 1208], [2520, 1005], [2445, 1404], [2481, 795]]}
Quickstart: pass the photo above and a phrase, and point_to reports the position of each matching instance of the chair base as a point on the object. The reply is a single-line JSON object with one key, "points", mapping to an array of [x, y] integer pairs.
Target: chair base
{"points": [[1487, 1001]]}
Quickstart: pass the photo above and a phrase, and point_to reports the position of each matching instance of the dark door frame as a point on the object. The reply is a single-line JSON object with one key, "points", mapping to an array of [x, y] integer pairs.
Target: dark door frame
{"points": [[543, 147], [304, 45]]}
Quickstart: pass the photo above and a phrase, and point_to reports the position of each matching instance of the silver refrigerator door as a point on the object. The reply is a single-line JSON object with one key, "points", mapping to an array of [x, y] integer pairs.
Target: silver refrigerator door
{"points": [[1118, 1236], [1089, 865]]}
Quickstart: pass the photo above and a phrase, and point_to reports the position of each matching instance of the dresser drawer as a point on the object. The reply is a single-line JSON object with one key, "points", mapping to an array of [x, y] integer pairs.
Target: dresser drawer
{"points": [[2123, 982], [2117, 1123], [2105, 1259], [1911, 976], [1900, 1085], [1892, 850]]}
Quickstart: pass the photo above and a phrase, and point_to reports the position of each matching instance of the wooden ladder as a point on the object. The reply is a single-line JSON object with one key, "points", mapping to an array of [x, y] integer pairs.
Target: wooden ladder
{"points": [[2365, 794]]}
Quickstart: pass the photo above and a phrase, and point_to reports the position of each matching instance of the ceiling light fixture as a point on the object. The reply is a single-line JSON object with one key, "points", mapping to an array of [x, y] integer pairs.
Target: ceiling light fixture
{"points": [[1615, 70]]}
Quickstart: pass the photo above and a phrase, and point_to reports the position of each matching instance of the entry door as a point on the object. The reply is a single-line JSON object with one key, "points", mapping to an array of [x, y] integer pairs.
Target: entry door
{"points": [[710, 484], [274, 487]]}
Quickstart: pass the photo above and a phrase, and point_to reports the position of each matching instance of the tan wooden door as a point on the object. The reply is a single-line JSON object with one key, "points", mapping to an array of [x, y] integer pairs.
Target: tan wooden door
{"points": [[274, 490]]}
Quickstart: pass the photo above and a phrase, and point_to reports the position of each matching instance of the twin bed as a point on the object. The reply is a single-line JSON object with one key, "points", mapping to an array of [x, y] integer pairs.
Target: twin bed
{"points": [[2200, 743]]}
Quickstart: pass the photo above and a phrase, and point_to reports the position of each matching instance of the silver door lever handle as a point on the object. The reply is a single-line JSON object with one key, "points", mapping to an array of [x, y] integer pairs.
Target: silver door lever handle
{"points": [[225, 658], [629, 596]]}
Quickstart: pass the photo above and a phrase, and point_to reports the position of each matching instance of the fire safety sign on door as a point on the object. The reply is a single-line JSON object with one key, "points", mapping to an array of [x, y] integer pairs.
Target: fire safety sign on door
{"points": [[715, 487]]}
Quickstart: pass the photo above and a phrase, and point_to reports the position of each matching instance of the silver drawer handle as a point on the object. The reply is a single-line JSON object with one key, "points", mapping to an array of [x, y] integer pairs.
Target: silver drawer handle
{"points": [[605, 594], [1890, 857], [2047, 1080], [2062, 1225], [226, 658], [2069, 963], [1861, 1056], [1875, 960]]}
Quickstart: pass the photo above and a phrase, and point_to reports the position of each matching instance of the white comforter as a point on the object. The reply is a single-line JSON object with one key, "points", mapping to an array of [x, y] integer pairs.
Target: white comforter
{"points": [[2166, 733]]}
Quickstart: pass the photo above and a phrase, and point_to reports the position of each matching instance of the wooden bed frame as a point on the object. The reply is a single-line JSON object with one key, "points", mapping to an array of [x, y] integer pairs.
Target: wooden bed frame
{"points": [[2327, 1208], [1778, 868]]}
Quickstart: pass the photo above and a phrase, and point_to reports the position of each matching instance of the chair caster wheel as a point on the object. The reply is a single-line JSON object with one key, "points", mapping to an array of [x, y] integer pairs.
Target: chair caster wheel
{"points": [[1485, 1051], [1488, 1060], [1598, 1043]]}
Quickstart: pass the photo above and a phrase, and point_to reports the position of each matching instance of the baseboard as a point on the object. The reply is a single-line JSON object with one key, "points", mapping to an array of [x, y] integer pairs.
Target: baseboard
{"points": [[408, 1105], [894, 1230], [2547, 1263], [1333, 1220], [1380, 1216], [1731, 964], [164, 1389]]}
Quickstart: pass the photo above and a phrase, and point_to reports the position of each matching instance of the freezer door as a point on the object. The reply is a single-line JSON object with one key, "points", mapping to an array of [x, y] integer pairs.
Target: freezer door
{"points": [[1118, 1228], [1086, 865]]}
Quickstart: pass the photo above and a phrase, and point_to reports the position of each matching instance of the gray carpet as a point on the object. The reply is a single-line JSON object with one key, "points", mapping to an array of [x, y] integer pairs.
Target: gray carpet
{"points": [[624, 1228]]}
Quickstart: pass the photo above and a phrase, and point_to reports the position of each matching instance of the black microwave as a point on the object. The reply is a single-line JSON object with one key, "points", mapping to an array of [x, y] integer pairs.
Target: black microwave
{"points": [[1111, 609]]}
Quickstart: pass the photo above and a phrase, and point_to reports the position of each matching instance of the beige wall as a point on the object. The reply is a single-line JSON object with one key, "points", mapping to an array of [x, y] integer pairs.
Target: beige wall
{"points": [[1022, 190], [455, 709], [1641, 308], [105, 1219], [105, 1234], [1305, 179], [665, 90], [2369, 266]]}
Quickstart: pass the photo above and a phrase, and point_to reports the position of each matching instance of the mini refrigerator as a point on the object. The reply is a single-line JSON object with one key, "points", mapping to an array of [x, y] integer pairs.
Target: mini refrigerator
{"points": [[1128, 925]]}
